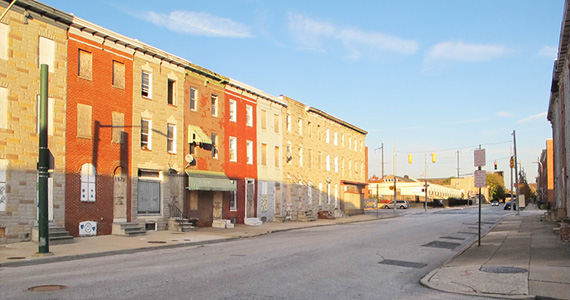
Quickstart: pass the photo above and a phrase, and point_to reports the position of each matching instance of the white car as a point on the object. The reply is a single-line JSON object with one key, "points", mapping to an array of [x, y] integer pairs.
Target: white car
{"points": [[403, 204], [495, 203]]}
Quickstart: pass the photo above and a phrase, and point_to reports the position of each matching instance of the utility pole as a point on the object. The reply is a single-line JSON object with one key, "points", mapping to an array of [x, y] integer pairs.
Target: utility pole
{"points": [[479, 240], [395, 191], [516, 174], [382, 159], [426, 184], [43, 165], [457, 163]]}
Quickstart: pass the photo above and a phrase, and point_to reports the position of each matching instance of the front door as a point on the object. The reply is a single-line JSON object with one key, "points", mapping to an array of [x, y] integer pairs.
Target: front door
{"points": [[119, 196], [205, 208], [250, 198]]}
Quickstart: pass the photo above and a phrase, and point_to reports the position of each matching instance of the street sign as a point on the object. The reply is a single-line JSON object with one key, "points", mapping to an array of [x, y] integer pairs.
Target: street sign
{"points": [[480, 178], [480, 157]]}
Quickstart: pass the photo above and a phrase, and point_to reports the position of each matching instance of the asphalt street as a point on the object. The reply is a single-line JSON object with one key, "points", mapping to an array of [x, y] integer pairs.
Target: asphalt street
{"points": [[382, 259]]}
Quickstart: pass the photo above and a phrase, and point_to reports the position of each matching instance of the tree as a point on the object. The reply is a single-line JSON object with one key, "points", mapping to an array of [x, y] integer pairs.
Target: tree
{"points": [[496, 186]]}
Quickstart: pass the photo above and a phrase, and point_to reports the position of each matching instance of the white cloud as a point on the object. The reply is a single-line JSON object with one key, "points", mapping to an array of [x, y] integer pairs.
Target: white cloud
{"points": [[312, 35], [505, 114], [459, 51], [528, 119], [548, 51], [199, 23]]}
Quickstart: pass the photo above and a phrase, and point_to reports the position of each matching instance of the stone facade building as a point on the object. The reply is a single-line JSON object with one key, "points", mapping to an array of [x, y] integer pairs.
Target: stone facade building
{"points": [[30, 34], [545, 179], [559, 101]]}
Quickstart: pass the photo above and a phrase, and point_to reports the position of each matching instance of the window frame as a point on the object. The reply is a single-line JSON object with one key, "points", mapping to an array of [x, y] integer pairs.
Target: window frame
{"points": [[214, 105], [232, 110], [249, 151], [171, 91], [148, 89], [114, 81], [171, 138], [233, 149], [148, 134], [193, 99], [215, 151], [84, 64], [88, 178], [249, 115]]}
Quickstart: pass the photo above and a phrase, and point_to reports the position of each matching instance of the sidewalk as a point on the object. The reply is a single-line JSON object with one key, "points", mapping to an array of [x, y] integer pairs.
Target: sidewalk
{"points": [[518, 259], [22, 254]]}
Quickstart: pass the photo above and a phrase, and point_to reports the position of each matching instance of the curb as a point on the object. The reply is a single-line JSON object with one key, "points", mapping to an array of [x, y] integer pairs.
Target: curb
{"points": [[53, 259]]}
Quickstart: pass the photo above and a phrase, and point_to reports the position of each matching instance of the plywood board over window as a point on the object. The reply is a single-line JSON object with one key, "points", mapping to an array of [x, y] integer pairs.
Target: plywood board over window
{"points": [[118, 126], [118, 74], [84, 120], [85, 64]]}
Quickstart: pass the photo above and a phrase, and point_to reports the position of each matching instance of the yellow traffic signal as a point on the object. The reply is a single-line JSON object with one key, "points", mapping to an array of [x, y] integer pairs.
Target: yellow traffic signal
{"points": [[409, 158], [512, 162], [433, 157]]}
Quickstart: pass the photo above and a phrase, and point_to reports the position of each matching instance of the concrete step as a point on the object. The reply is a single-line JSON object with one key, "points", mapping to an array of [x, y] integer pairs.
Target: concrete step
{"points": [[129, 229], [56, 234]]}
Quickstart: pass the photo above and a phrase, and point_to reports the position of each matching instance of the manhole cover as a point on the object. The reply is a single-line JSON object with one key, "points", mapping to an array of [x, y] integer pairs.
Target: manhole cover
{"points": [[438, 244], [157, 242], [47, 288], [502, 270], [401, 263], [16, 257]]}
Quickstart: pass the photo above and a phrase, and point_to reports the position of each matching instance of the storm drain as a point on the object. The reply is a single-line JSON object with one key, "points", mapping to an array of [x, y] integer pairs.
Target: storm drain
{"points": [[502, 270], [156, 242], [47, 288], [451, 238], [16, 257], [439, 244], [401, 263]]}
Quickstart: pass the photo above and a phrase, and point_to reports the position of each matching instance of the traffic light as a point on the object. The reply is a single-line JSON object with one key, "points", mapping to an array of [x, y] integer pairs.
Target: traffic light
{"points": [[409, 158], [433, 157], [495, 165], [512, 162]]}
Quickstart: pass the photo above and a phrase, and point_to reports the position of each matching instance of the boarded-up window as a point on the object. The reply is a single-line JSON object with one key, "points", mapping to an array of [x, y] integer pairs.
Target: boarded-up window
{"points": [[84, 121], [85, 64], [264, 154], [277, 123], [148, 197], [46, 53], [118, 126], [310, 158], [263, 119], [277, 156], [118, 74], [4, 41]]}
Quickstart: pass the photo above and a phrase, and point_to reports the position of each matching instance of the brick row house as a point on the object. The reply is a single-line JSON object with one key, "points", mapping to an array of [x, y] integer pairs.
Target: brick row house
{"points": [[145, 140], [559, 101]]}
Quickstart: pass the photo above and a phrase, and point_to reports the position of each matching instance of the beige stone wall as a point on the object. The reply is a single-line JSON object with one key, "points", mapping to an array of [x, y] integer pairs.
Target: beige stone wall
{"points": [[157, 109], [20, 77]]}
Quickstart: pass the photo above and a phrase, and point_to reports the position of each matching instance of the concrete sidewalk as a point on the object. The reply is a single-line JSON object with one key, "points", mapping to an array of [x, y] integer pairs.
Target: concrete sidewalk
{"points": [[22, 254], [521, 258]]}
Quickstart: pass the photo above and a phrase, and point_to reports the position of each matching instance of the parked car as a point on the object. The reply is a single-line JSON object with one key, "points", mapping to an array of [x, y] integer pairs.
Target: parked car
{"points": [[508, 206], [403, 204], [495, 203]]}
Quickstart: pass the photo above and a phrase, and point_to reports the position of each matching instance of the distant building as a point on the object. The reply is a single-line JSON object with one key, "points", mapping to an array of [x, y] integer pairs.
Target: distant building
{"points": [[408, 188], [545, 179]]}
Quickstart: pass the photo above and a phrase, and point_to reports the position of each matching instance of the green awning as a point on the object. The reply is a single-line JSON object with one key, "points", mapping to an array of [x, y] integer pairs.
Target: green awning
{"points": [[197, 135], [209, 181]]}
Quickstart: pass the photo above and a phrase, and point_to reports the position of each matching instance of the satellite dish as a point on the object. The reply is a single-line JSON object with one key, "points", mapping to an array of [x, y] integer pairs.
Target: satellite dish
{"points": [[189, 158]]}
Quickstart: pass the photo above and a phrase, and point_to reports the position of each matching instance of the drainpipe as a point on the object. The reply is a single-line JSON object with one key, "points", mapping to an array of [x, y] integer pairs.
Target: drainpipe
{"points": [[7, 9]]}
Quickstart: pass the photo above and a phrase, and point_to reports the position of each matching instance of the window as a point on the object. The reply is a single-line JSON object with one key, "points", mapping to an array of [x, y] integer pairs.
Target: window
{"points": [[289, 154], [288, 122], [233, 109], [320, 160], [193, 95], [310, 194], [335, 139], [233, 148], [342, 140], [276, 123], [249, 150], [318, 132], [300, 157], [214, 102], [336, 164], [264, 154], [117, 132], [50, 115], [3, 107], [171, 91], [327, 136], [263, 119], [310, 158], [46, 53], [84, 120], [328, 162], [118, 74], [328, 193], [88, 176], [300, 121], [349, 142], [214, 145], [146, 85], [320, 193], [4, 41], [233, 197], [277, 156], [85, 64], [146, 134], [171, 138], [355, 145], [249, 115]]}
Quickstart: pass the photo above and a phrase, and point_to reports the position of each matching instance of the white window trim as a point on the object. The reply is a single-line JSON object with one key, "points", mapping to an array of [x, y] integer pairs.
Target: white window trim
{"points": [[249, 115], [233, 147], [234, 195], [249, 151], [328, 163], [149, 84], [327, 136], [173, 138], [149, 142], [195, 99], [88, 182], [233, 111]]}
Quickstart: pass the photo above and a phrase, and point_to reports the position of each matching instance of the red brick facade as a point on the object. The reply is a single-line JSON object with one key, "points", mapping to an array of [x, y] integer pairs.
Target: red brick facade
{"points": [[108, 156]]}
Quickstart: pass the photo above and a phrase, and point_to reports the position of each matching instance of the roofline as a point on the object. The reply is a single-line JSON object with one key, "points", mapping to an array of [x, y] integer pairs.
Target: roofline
{"points": [[335, 119], [43, 10], [561, 58], [240, 85]]}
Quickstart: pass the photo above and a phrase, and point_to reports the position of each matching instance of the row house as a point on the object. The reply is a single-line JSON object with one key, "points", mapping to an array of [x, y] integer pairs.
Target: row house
{"points": [[559, 101], [31, 34], [325, 163], [545, 179]]}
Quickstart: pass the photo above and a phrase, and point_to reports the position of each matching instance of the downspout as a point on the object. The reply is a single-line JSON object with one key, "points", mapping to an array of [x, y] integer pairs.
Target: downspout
{"points": [[7, 9]]}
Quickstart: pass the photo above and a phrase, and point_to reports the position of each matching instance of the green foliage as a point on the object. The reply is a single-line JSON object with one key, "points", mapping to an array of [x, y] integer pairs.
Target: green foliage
{"points": [[496, 186]]}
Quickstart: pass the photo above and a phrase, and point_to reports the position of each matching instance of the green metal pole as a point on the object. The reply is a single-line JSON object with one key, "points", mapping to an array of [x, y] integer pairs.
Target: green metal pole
{"points": [[43, 164]]}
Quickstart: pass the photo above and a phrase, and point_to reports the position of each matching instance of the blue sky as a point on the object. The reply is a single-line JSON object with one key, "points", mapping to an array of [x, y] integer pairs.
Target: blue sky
{"points": [[433, 76]]}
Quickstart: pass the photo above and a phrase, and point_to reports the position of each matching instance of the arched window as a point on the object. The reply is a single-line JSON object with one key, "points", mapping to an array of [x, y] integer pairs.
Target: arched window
{"points": [[88, 174]]}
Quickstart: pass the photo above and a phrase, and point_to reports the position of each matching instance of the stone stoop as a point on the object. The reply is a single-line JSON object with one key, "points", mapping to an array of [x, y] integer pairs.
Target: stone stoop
{"points": [[306, 216], [222, 223], [252, 221], [128, 229], [57, 235], [180, 225], [339, 214]]}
